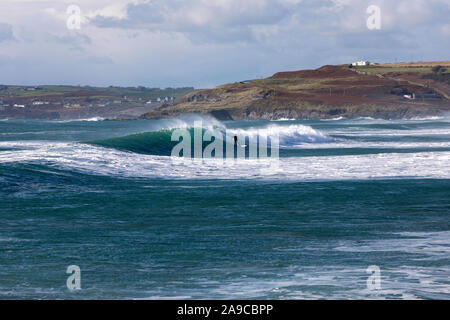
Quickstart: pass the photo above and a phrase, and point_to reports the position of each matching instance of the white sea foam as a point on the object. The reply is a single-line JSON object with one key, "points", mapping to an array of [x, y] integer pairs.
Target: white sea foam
{"points": [[334, 282], [103, 161], [369, 120], [365, 132], [352, 144], [285, 119], [187, 121], [288, 135], [426, 118], [334, 119], [93, 119], [425, 245]]}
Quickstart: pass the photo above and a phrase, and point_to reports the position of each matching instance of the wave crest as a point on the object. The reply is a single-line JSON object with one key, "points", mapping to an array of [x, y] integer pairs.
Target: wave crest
{"points": [[290, 135], [160, 143]]}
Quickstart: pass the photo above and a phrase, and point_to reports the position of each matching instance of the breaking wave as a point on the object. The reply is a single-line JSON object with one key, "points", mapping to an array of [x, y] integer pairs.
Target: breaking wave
{"points": [[160, 142]]}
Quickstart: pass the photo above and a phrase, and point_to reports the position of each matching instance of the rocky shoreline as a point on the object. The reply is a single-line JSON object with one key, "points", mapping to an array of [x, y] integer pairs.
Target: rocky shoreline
{"points": [[380, 112]]}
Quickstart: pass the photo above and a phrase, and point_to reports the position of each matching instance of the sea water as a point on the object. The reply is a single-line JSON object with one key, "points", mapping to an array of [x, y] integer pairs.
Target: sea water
{"points": [[106, 196]]}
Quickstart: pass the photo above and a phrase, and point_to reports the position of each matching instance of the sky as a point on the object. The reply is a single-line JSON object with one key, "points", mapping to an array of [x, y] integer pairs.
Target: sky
{"points": [[205, 43]]}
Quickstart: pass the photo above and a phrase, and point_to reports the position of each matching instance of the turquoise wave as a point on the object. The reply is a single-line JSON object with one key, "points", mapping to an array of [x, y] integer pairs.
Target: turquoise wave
{"points": [[155, 143]]}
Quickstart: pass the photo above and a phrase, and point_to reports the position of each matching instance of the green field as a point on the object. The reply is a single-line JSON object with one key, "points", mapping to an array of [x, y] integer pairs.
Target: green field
{"points": [[117, 92], [384, 70]]}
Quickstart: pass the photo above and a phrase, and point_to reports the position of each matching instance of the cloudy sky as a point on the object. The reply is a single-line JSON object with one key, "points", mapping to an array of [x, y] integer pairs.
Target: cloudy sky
{"points": [[203, 43]]}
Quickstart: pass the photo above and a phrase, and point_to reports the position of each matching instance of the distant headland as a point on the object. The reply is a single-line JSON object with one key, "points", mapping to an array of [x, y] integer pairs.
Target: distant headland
{"points": [[358, 89]]}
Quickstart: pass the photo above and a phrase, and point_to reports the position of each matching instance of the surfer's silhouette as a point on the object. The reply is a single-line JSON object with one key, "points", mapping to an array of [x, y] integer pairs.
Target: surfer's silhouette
{"points": [[236, 143]]}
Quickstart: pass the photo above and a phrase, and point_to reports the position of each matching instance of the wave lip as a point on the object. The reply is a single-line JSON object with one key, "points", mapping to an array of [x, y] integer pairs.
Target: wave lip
{"points": [[288, 135]]}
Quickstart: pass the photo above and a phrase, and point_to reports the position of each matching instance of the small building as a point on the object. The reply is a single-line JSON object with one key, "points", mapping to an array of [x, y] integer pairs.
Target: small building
{"points": [[19, 105], [361, 63], [74, 105], [32, 88], [40, 103]]}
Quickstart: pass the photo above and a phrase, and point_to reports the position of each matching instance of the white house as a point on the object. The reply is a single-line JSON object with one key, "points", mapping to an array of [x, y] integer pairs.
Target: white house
{"points": [[361, 63], [19, 106], [39, 103]]}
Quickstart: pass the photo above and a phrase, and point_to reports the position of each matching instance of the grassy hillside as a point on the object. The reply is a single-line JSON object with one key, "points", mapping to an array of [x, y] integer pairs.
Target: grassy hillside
{"points": [[326, 92]]}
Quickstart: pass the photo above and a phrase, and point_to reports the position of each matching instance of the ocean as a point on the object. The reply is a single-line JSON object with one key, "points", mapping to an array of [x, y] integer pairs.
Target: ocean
{"points": [[106, 196]]}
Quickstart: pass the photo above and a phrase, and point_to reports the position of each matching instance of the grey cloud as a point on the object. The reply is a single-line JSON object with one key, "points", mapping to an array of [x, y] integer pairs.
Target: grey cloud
{"points": [[231, 24]]}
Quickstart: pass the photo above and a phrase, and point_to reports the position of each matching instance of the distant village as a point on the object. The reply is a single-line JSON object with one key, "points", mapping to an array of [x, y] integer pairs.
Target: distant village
{"points": [[76, 102], [68, 101]]}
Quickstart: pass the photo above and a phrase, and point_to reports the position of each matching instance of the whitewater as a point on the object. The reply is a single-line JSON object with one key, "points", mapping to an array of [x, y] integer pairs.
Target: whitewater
{"points": [[376, 150]]}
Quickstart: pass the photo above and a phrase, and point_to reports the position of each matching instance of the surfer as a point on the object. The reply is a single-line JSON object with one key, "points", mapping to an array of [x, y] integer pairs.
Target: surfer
{"points": [[236, 143]]}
